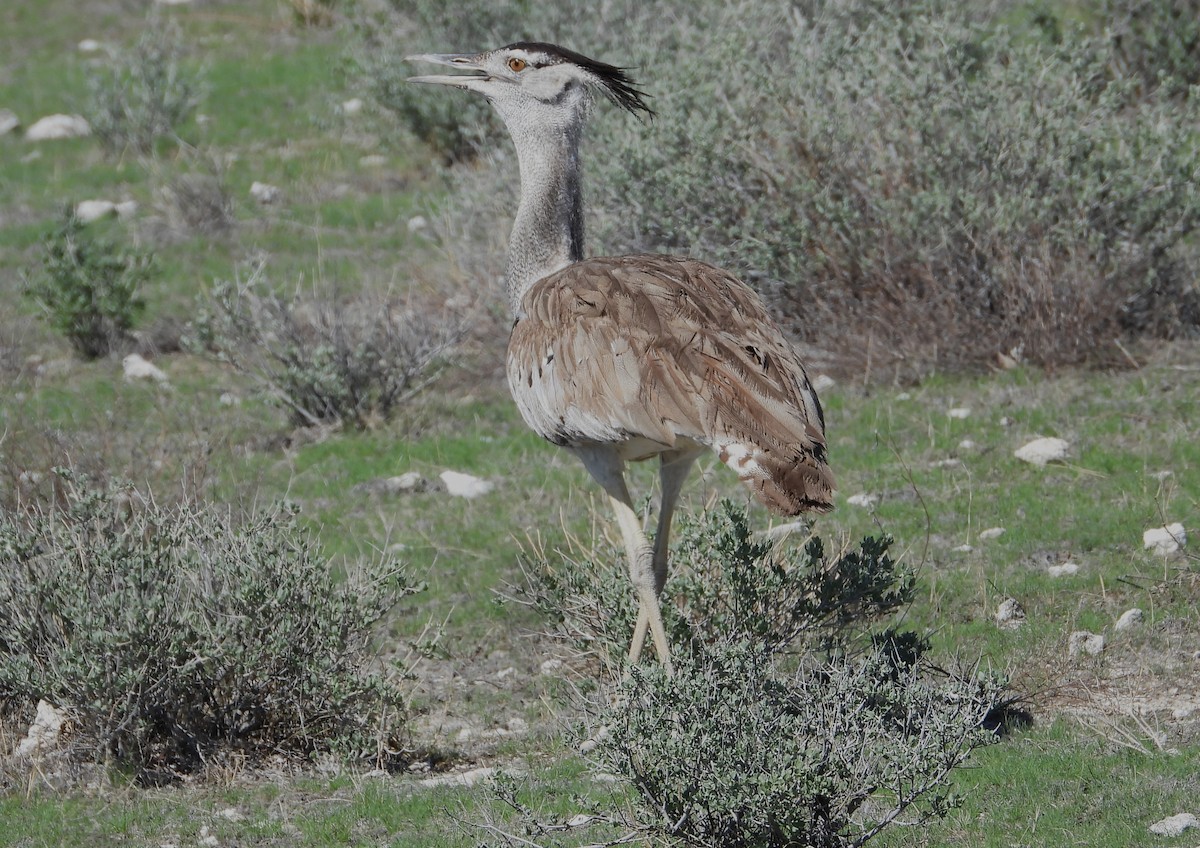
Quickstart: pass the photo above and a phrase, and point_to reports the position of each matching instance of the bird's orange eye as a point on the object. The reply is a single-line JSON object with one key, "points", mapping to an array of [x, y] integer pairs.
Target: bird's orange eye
{"points": [[516, 65]]}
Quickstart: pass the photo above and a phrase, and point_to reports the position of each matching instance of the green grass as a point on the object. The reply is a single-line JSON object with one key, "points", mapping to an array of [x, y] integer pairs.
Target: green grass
{"points": [[341, 226]]}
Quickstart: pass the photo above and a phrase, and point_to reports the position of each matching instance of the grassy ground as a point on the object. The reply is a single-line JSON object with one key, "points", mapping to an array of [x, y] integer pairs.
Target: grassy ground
{"points": [[1113, 742]]}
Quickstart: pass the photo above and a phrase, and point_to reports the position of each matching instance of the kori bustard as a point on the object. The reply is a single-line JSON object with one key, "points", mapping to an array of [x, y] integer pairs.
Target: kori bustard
{"points": [[626, 358]]}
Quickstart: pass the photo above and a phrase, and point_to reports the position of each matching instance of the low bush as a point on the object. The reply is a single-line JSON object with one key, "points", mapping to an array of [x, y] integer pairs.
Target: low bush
{"points": [[173, 635], [326, 362], [724, 585], [89, 288], [146, 93], [788, 721], [731, 753]]}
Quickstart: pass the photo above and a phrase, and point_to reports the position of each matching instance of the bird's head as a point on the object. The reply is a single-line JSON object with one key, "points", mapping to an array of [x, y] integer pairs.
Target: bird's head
{"points": [[534, 84]]}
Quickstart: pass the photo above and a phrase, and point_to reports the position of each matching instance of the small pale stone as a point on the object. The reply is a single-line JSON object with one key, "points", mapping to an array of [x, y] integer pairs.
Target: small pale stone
{"points": [[551, 666], [89, 45], [265, 193], [1041, 451], [580, 820], [959, 412], [374, 160], [1165, 541], [1083, 642], [464, 485], [229, 399], [8, 121], [352, 106], [137, 368], [417, 223], [951, 462], [516, 724], [991, 533], [1130, 619], [1067, 568], [904, 396], [232, 814], [466, 778], [505, 673], [864, 500], [88, 211], [58, 126], [1162, 475], [44, 732], [966, 445], [822, 382], [1174, 825], [963, 549], [126, 209], [1010, 615], [782, 531]]}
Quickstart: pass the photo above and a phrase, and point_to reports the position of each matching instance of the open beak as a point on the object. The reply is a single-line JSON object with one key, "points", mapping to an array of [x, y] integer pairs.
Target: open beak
{"points": [[462, 61]]}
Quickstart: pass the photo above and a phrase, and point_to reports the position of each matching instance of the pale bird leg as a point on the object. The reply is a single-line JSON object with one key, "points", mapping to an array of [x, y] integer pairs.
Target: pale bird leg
{"points": [[676, 465], [606, 466]]}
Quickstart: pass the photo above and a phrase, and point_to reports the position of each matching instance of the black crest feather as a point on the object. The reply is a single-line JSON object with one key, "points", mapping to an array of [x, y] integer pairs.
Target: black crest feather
{"points": [[614, 82]]}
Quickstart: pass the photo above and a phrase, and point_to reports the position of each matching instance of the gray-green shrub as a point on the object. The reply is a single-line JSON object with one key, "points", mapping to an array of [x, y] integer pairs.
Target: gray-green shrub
{"points": [[731, 753], [89, 287], [913, 185], [145, 93], [326, 362], [724, 585], [172, 635]]}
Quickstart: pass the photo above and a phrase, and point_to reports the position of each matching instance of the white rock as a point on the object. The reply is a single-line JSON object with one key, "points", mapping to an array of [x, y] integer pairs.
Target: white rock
{"points": [[1010, 615], [126, 209], [1165, 541], [208, 840], [1162, 475], [1130, 619], [417, 223], [822, 382], [551, 666], [265, 193], [466, 778], [232, 814], [991, 533], [374, 160], [1083, 642], [137, 368], [959, 412], [8, 121], [516, 724], [506, 672], [963, 549], [864, 500], [950, 462], [1042, 451], [1067, 568], [44, 732], [88, 211], [464, 485], [966, 444], [89, 45], [352, 106], [904, 396], [229, 399], [1174, 825], [58, 126]]}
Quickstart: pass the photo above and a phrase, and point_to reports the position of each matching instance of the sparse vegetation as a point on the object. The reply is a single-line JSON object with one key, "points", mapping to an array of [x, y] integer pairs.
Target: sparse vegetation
{"points": [[89, 287], [326, 362], [1110, 746], [174, 636], [145, 94]]}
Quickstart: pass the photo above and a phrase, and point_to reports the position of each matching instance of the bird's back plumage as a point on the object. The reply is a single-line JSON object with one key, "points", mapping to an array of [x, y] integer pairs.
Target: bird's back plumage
{"points": [[648, 351]]}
